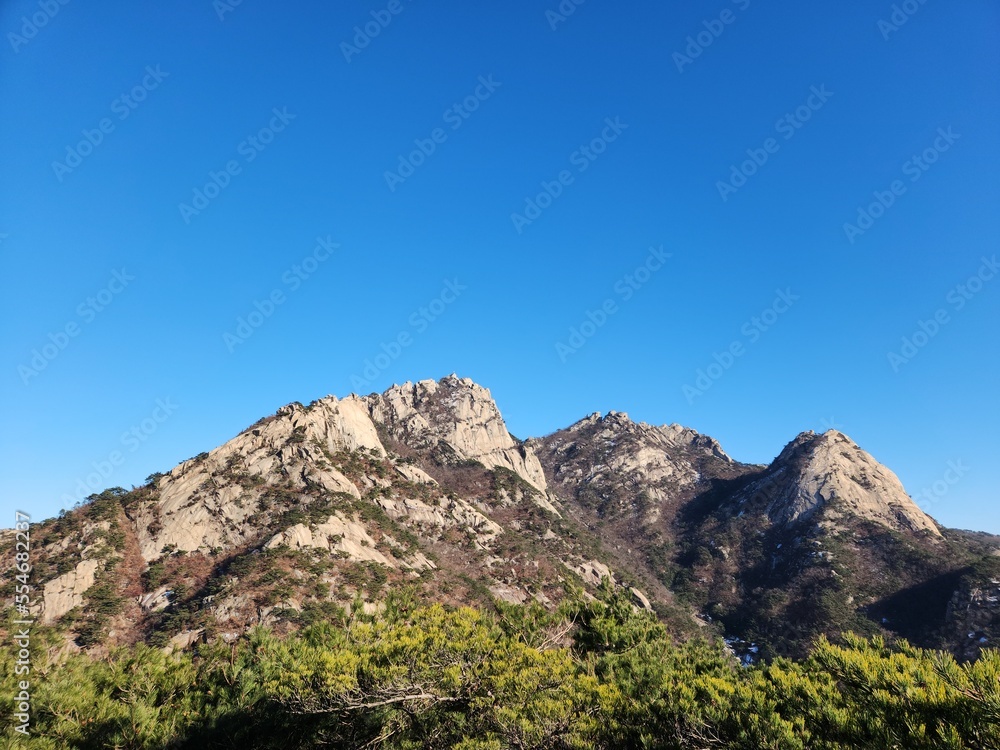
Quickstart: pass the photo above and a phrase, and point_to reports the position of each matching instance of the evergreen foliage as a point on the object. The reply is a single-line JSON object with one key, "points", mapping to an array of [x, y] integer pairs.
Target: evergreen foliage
{"points": [[593, 674]]}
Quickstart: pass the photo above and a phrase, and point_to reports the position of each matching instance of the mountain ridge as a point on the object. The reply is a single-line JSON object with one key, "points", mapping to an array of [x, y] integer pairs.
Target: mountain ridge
{"points": [[424, 486]]}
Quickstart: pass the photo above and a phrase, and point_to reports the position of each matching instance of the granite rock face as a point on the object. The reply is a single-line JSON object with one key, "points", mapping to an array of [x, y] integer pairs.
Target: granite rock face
{"points": [[631, 467], [210, 502], [62, 594], [831, 472], [459, 413]]}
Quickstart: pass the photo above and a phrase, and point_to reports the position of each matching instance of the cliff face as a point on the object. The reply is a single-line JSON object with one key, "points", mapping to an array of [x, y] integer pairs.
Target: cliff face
{"points": [[973, 614], [423, 489]]}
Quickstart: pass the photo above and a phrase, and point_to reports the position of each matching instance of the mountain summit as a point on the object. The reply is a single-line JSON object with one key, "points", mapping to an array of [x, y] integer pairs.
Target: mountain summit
{"points": [[457, 413], [830, 472]]}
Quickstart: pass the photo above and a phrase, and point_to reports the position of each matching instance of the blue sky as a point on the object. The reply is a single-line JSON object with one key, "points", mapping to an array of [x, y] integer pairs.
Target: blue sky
{"points": [[670, 181]]}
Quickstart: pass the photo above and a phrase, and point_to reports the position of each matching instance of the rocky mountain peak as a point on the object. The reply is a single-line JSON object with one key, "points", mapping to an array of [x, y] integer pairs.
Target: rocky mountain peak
{"points": [[460, 414], [587, 421], [211, 501], [628, 466], [830, 472], [618, 418], [616, 426]]}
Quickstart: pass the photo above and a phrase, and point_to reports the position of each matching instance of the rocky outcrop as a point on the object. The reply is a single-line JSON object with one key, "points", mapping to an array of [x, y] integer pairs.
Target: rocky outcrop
{"points": [[453, 513], [342, 424], [210, 501], [351, 540], [974, 615], [594, 572], [459, 413], [630, 467], [830, 472], [336, 534], [61, 594]]}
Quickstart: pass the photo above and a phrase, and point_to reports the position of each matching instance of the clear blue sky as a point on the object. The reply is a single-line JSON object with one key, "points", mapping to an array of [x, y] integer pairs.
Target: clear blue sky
{"points": [[198, 90]]}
